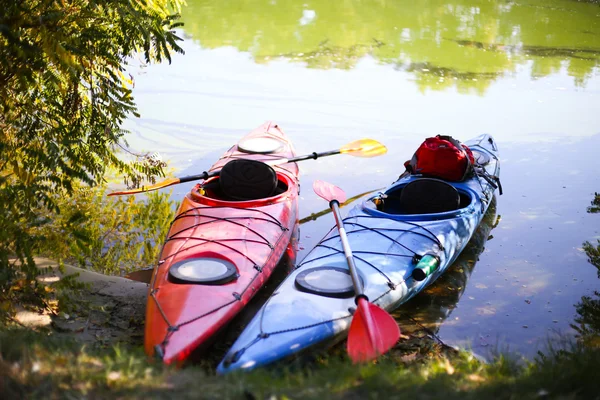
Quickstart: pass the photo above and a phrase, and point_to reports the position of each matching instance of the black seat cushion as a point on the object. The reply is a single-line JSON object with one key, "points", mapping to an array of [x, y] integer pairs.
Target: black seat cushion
{"points": [[247, 180], [427, 196]]}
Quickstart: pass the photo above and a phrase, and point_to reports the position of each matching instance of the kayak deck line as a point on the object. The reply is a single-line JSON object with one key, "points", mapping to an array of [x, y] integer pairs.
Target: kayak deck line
{"points": [[220, 251], [226, 219], [233, 357], [195, 209], [265, 335], [237, 296], [336, 251], [431, 236]]}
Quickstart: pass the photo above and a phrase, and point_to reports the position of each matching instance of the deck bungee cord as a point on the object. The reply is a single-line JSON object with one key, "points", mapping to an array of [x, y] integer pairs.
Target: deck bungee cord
{"points": [[336, 251], [194, 212], [223, 244], [232, 220]]}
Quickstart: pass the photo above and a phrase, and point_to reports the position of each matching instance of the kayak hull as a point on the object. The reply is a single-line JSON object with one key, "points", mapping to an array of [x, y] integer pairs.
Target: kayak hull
{"points": [[384, 246], [249, 237]]}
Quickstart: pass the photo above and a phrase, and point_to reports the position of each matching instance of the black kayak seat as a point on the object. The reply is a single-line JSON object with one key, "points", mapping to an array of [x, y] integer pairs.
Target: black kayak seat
{"points": [[244, 179], [428, 196]]}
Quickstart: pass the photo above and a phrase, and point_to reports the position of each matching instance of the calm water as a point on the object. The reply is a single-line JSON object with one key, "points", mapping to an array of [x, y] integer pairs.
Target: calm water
{"points": [[527, 72]]}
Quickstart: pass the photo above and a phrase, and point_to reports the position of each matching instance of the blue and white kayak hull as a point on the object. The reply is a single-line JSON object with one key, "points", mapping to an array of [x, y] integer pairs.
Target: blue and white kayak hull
{"points": [[386, 247]]}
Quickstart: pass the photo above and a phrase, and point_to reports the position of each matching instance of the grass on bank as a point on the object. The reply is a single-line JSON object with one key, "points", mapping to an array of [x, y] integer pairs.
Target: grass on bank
{"points": [[36, 365], [42, 365]]}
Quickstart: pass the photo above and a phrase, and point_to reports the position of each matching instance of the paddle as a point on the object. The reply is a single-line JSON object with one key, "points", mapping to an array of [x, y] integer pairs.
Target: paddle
{"points": [[373, 331], [315, 216], [358, 148]]}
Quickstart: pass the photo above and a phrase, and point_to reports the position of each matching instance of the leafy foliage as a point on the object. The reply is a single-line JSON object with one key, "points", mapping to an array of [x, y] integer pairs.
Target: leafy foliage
{"points": [[106, 234], [111, 235], [595, 206], [593, 253], [587, 322], [591, 250], [63, 97]]}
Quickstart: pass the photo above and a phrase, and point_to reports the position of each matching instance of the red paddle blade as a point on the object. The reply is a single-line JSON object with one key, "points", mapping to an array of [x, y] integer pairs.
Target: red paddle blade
{"points": [[373, 332], [329, 192]]}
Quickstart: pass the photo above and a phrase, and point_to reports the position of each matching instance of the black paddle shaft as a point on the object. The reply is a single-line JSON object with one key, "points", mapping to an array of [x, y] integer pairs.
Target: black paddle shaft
{"points": [[204, 175], [314, 156]]}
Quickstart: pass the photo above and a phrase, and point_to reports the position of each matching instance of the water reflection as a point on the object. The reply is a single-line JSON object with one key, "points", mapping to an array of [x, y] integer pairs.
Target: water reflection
{"points": [[587, 323], [462, 44], [431, 308], [595, 207], [534, 271]]}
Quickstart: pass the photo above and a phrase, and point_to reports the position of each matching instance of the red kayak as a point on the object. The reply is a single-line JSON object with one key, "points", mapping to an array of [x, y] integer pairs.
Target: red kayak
{"points": [[220, 251]]}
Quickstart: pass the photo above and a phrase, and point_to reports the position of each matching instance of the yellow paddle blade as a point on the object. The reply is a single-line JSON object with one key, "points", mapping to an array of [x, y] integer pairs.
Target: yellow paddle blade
{"points": [[364, 148], [160, 185]]}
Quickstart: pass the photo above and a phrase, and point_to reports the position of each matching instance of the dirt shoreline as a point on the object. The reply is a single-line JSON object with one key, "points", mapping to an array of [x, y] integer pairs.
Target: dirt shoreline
{"points": [[110, 310]]}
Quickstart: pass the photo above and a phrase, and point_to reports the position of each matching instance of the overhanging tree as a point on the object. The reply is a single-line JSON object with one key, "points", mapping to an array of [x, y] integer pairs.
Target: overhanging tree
{"points": [[63, 97]]}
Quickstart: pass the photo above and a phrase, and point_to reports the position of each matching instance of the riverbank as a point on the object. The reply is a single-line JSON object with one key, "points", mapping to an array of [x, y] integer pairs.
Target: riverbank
{"points": [[110, 310], [34, 366], [105, 310], [96, 352]]}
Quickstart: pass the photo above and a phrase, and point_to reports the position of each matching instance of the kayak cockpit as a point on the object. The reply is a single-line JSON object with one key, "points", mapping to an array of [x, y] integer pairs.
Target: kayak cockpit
{"points": [[213, 190], [244, 180], [420, 197]]}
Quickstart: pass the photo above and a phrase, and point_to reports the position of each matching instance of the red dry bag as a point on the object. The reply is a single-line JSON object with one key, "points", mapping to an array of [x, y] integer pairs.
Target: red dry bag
{"points": [[442, 157]]}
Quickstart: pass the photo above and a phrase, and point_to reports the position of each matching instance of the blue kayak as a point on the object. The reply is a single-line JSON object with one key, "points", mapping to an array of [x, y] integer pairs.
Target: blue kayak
{"points": [[401, 243]]}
